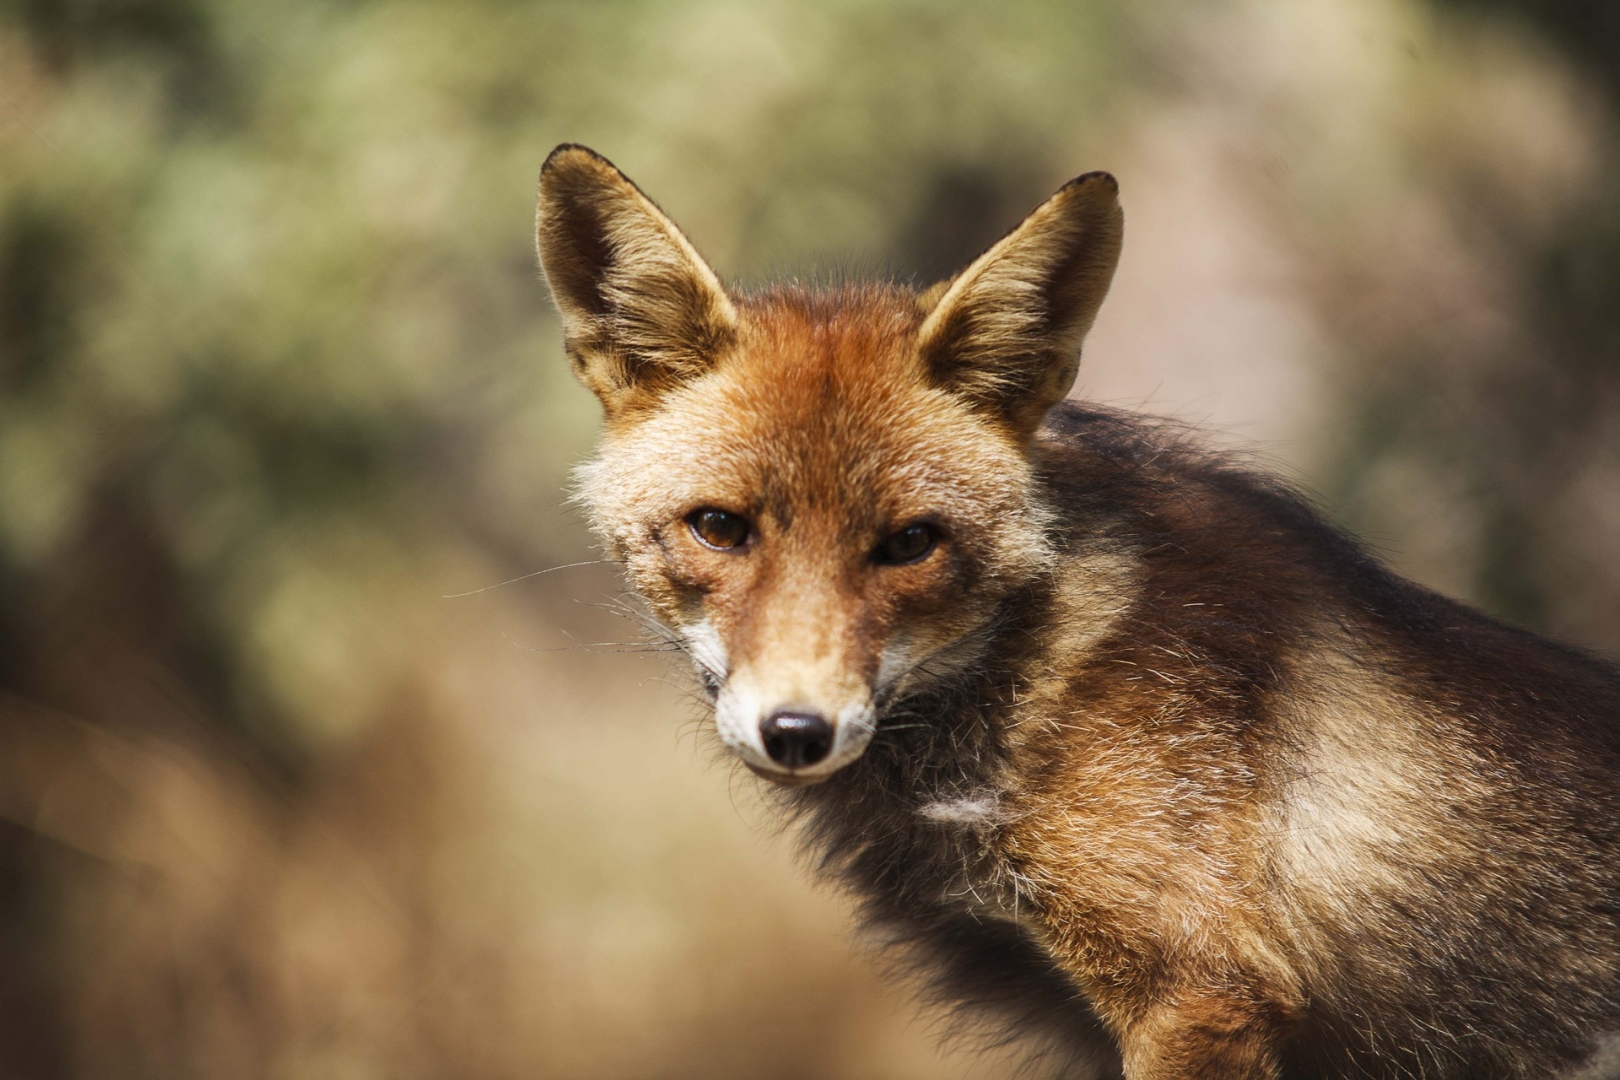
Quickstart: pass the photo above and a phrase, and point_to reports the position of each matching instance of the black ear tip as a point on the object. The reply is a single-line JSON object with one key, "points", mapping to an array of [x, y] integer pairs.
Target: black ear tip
{"points": [[1098, 182], [573, 155]]}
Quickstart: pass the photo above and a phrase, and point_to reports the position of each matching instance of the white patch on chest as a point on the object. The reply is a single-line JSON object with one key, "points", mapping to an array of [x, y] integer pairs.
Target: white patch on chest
{"points": [[979, 809], [984, 886]]}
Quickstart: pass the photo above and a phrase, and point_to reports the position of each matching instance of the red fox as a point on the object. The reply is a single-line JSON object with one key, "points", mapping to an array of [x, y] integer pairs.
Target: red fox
{"points": [[1117, 741]]}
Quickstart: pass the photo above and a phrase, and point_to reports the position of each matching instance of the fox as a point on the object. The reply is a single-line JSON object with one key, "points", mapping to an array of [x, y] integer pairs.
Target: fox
{"points": [[1114, 739]]}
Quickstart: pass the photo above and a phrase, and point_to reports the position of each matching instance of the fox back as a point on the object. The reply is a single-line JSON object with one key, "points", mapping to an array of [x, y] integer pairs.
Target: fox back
{"points": [[1115, 741]]}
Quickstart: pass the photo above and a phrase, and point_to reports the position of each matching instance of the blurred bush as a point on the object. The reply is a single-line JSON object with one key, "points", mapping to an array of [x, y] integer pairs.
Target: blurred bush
{"points": [[277, 377]]}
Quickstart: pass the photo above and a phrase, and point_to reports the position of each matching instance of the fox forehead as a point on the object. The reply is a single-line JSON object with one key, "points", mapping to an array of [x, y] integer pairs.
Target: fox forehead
{"points": [[821, 410]]}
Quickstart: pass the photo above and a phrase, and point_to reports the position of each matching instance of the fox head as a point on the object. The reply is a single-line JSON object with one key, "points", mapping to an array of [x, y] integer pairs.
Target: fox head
{"points": [[825, 496]]}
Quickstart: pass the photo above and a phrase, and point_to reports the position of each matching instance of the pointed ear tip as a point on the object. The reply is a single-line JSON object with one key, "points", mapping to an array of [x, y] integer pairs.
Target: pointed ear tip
{"points": [[1093, 188], [1097, 180], [571, 157]]}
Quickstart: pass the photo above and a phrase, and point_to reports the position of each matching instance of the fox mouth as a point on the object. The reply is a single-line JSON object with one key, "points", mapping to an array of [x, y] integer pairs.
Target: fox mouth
{"points": [[764, 755]]}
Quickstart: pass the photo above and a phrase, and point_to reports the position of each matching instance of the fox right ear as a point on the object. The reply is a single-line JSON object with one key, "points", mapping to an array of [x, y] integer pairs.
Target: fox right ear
{"points": [[1005, 333], [641, 311]]}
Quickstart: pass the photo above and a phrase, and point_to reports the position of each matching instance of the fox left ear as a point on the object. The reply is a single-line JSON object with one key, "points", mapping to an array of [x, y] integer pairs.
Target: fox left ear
{"points": [[1005, 333], [641, 310]]}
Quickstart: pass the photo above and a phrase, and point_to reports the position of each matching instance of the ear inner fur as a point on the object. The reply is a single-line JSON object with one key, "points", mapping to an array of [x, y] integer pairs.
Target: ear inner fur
{"points": [[641, 310], [1006, 332]]}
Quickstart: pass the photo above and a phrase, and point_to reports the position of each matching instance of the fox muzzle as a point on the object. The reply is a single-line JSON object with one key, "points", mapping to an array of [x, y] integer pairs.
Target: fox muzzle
{"points": [[791, 743]]}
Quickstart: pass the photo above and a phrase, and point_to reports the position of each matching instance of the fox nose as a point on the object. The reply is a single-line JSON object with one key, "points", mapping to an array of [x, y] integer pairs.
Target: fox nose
{"points": [[796, 739]]}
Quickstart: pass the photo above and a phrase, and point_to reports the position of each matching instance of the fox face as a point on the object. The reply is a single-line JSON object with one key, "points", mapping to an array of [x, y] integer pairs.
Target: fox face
{"points": [[824, 497], [819, 524]]}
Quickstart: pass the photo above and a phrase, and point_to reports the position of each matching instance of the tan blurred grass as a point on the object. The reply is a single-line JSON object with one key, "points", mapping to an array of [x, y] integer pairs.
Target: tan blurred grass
{"points": [[516, 868]]}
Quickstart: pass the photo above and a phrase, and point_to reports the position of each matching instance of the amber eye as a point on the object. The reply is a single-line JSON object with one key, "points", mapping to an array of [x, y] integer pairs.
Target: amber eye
{"points": [[718, 528], [909, 545]]}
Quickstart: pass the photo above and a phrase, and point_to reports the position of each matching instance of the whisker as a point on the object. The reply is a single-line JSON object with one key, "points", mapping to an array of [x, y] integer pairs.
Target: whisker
{"points": [[669, 639], [522, 577]]}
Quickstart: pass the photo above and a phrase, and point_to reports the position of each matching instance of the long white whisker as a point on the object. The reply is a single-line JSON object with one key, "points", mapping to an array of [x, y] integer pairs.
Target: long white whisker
{"points": [[666, 634], [522, 577]]}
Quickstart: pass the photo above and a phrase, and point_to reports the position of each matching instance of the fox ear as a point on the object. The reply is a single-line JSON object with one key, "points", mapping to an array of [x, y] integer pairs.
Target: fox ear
{"points": [[1005, 333], [641, 311]]}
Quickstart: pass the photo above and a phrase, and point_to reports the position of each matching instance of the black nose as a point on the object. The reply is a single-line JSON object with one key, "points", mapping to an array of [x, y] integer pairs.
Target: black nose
{"points": [[796, 739]]}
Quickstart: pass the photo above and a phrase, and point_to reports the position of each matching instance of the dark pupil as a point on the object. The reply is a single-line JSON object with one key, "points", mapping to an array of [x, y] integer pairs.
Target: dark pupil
{"points": [[908, 544], [719, 528]]}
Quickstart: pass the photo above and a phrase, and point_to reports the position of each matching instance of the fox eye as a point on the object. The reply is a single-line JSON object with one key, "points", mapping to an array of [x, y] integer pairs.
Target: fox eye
{"points": [[719, 529], [909, 545]]}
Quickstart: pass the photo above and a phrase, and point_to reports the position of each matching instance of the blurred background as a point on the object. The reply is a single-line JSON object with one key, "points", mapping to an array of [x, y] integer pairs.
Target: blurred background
{"points": [[292, 787]]}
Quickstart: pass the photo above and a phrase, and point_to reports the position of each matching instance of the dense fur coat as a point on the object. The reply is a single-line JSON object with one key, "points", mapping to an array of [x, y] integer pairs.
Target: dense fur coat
{"points": [[1118, 742]]}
